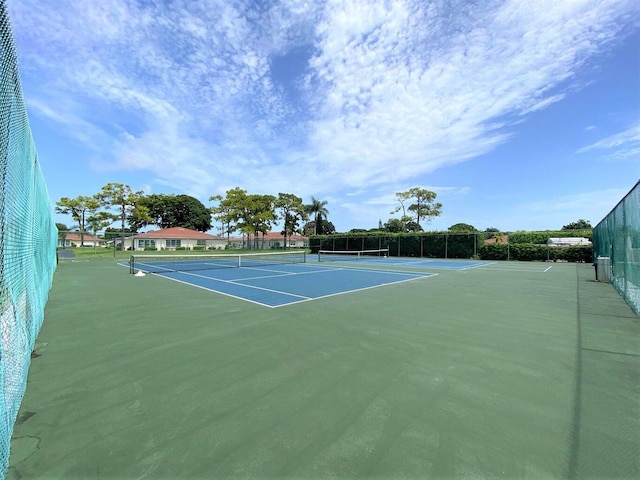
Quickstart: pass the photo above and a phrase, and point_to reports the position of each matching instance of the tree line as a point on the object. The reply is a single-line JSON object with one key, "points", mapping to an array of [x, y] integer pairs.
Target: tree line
{"points": [[240, 212], [237, 211]]}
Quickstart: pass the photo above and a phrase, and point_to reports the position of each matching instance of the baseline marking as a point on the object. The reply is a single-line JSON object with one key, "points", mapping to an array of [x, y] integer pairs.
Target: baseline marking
{"points": [[295, 297], [237, 283], [237, 297], [356, 290]]}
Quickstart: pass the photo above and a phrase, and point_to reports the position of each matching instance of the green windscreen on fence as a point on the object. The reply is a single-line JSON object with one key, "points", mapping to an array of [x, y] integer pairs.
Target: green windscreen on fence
{"points": [[419, 244], [617, 237], [28, 237]]}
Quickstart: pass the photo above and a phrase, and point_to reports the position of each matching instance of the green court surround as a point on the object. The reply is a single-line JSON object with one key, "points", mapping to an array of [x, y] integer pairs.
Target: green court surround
{"points": [[505, 371]]}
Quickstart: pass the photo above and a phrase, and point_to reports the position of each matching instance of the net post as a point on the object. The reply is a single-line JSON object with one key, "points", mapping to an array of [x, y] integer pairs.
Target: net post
{"points": [[131, 264]]}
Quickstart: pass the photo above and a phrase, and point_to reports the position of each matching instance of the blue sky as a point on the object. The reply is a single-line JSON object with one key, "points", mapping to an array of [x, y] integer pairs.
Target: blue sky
{"points": [[520, 115]]}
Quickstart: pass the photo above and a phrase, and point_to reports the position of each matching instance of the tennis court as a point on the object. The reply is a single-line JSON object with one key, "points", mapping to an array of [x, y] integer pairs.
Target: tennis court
{"points": [[506, 370], [271, 280]]}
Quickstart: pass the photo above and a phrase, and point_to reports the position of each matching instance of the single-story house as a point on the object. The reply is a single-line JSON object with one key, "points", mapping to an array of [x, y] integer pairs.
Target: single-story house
{"points": [[269, 241], [175, 238], [72, 239]]}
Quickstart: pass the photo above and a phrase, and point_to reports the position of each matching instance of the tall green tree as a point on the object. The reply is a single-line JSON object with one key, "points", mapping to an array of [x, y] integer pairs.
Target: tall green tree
{"points": [[326, 227], [167, 211], [462, 228], [422, 204], [394, 225], [250, 214], [79, 208], [124, 201], [402, 198], [317, 209], [260, 215], [222, 213], [402, 225], [581, 224], [292, 211], [232, 209], [412, 226], [97, 222]]}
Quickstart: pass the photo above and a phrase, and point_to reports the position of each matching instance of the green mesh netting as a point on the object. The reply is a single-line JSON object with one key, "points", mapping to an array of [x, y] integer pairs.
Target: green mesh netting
{"points": [[28, 237], [617, 236]]}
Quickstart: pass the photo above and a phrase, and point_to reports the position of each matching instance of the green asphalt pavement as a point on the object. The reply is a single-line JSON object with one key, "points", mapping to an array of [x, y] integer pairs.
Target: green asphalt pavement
{"points": [[513, 370]]}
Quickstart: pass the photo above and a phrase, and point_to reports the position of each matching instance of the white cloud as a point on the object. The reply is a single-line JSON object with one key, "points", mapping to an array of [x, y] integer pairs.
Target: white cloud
{"points": [[560, 210], [620, 146], [392, 91]]}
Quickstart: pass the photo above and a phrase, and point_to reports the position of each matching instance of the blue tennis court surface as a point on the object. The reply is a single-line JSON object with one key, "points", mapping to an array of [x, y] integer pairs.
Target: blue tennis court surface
{"points": [[435, 263], [286, 284]]}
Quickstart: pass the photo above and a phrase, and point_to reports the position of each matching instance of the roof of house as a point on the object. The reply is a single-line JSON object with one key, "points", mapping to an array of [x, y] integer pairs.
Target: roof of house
{"points": [[178, 232], [272, 236], [498, 239], [75, 236], [278, 235]]}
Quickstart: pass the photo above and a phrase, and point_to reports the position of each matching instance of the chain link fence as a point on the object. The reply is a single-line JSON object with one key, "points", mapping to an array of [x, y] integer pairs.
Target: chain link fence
{"points": [[617, 237], [27, 241]]}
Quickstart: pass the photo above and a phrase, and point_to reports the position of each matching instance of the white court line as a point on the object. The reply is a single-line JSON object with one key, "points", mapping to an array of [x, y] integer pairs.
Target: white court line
{"points": [[547, 269], [478, 265], [425, 264], [218, 291], [235, 282], [529, 270], [337, 269], [280, 273], [415, 276], [356, 290], [374, 270]]}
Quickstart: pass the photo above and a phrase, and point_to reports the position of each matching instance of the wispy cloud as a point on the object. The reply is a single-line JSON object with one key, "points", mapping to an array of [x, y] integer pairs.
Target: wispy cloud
{"points": [[560, 210], [385, 93], [621, 146]]}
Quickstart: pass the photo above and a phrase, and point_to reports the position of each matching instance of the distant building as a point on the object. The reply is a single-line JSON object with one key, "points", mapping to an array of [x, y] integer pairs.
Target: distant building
{"points": [[270, 241], [186, 239], [568, 242], [175, 238], [72, 240]]}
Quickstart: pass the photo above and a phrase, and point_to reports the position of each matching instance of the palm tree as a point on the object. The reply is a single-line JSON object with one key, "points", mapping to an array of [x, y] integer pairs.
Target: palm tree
{"points": [[317, 209]]}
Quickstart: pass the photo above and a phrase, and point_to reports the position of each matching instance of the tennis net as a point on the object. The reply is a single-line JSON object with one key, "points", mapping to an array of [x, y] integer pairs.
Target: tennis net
{"points": [[184, 263], [350, 255]]}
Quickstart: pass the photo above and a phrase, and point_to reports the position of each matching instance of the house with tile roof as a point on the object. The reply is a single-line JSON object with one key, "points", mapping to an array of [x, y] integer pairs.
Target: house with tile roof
{"points": [[175, 238], [277, 240], [72, 240], [269, 241], [185, 239]]}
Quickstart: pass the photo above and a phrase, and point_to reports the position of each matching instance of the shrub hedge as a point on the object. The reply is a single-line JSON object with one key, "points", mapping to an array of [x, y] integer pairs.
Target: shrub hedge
{"points": [[542, 237], [534, 252]]}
